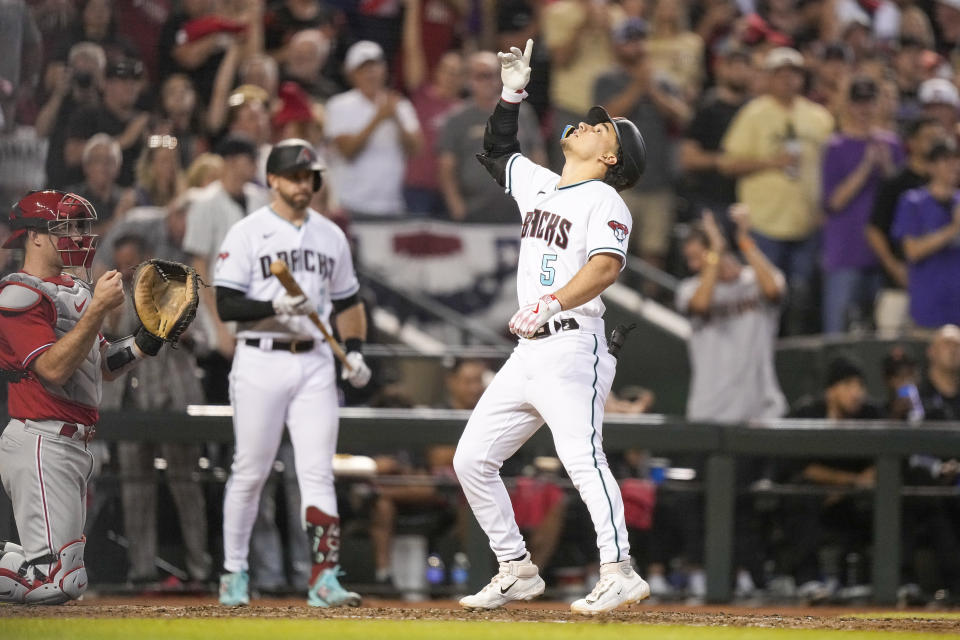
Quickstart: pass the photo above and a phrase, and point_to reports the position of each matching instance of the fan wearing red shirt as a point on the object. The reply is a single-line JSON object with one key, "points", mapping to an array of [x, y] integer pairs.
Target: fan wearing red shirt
{"points": [[53, 356]]}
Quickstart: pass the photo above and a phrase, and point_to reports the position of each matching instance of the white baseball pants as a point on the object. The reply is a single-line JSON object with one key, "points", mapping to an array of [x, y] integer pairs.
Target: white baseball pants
{"points": [[267, 390], [562, 380], [46, 477]]}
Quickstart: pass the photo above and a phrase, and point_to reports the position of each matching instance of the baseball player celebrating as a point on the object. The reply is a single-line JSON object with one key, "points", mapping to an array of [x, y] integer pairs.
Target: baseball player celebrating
{"points": [[283, 371], [573, 238], [53, 356]]}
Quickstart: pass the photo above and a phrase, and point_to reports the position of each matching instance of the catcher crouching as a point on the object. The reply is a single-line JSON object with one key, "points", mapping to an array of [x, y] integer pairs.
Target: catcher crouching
{"points": [[54, 357]]}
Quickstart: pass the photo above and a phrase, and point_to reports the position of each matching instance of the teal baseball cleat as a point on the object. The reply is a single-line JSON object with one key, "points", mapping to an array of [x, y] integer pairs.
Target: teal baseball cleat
{"points": [[327, 591], [234, 589]]}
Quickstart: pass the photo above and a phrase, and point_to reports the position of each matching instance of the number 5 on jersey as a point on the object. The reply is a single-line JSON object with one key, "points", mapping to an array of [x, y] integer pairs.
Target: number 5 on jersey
{"points": [[547, 273]]}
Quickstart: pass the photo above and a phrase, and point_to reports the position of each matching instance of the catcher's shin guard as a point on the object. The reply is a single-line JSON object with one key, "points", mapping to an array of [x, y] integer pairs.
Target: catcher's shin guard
{"points": [[67, 581], [324, 533], [14, 583]]}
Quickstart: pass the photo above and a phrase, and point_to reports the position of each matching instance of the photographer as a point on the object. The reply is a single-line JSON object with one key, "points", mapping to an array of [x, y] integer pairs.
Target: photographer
{"points": [[72, 88]]}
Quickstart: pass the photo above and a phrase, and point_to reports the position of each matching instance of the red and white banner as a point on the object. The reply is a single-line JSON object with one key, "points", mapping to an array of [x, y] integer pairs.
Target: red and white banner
{"points": [[471, 268]]}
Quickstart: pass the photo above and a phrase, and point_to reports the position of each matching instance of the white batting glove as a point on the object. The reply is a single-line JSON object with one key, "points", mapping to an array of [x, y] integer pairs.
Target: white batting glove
{"points": [[533, 316], [288, 305], [358, 374], [515, 72]]}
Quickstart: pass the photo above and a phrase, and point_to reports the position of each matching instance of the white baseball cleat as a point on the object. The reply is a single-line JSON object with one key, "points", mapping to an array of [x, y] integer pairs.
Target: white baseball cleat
{"points": [[517, 580], [619, 584]]}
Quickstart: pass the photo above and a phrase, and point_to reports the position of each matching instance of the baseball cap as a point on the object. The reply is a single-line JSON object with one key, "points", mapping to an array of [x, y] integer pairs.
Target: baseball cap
{"points": [[783, 57], [236, 145], [862, 89], [842, 368], [295, 105], [361, 53], [630, 29], [939, 91], [125, 68]]}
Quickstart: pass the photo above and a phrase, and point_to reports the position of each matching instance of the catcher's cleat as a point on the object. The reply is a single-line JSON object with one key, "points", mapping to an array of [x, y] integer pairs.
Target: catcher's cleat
{"points": [[517, 580], [619, 584], [235, 589], [327, 591]]}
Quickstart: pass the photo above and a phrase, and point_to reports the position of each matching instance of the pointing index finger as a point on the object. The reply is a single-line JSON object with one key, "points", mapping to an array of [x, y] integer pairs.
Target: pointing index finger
{"points": [[528, 51]]}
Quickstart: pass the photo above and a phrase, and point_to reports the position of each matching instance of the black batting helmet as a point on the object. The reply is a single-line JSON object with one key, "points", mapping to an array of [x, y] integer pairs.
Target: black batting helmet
{"points": [[294, 154], [632, 155]]}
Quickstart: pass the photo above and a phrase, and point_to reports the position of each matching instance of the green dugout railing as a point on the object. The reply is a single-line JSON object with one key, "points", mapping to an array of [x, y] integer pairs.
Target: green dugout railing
{"points": [[365, 431]]}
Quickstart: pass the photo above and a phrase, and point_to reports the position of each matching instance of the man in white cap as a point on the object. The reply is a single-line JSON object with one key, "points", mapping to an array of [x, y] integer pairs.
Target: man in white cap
{"points": [[373, 131], [773, 147], [940, 100]]}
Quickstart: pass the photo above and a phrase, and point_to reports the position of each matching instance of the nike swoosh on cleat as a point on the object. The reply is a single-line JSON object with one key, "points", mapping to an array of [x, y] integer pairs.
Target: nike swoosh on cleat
{"points": [[504, 591]]}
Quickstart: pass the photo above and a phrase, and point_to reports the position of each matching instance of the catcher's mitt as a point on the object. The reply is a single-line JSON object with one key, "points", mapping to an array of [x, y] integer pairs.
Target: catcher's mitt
{"points": [[165, 296]]}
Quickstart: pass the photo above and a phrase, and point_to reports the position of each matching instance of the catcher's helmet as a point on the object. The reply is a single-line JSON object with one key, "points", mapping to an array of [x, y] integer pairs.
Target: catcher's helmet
{"points": [[632, 155], [294, 154], [65, 216]]}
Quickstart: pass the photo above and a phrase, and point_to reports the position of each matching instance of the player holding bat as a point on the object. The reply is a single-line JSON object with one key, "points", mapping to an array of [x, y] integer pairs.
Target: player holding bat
{"points": [[283, 370]]}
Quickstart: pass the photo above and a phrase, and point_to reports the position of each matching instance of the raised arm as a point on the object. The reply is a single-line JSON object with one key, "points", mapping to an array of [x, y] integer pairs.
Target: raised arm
{"points": [[771, 282], [500, 137], [710, 273]]}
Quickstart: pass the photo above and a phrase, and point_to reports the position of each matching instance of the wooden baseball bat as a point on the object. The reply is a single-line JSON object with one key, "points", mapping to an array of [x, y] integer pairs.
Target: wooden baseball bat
{"points": [[279, 269]]}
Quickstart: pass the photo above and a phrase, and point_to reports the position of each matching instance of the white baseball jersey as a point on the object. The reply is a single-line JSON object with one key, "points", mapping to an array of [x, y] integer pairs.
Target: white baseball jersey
{"points": [[563, 227], [561, 379], [271, 389], [317, 254]]}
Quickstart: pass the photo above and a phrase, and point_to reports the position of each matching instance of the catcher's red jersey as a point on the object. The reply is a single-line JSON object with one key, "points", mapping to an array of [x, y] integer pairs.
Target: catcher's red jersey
{"points": [[24, 336]]}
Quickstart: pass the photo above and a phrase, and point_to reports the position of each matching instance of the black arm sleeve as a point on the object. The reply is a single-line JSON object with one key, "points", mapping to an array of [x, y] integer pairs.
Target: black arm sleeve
{"points": [[234, 305], [500, 140]]}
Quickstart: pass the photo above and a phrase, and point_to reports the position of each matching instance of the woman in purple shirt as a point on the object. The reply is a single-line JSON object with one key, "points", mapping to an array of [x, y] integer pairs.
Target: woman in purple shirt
{"points": [[856, 159]]}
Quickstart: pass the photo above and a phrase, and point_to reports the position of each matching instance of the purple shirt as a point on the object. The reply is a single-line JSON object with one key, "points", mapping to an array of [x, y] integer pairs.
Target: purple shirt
{"points": [[934, 282], [844, 242]]}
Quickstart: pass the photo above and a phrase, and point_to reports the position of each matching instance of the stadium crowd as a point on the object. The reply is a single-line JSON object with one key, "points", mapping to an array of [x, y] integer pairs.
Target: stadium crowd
{"points": [[802, 176]]}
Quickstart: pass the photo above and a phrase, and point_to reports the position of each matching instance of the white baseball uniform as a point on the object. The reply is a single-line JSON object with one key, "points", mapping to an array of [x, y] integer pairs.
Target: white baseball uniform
{"points": [[271, 387], [563, 375]]}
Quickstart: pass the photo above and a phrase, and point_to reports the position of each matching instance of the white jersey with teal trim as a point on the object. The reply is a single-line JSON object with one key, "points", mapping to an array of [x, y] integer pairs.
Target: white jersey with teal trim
{"points": [[316, 252], [563, 376], [563, 227]]}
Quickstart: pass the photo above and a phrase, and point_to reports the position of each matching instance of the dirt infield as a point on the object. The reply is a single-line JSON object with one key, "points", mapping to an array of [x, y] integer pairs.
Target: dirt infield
{"points": [[786, 618]]}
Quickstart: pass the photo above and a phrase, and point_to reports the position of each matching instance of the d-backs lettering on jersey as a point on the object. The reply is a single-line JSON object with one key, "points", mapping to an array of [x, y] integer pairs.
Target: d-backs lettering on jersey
{"points": [[549, 226], [316, 252], [299, 260], [562, 228]]}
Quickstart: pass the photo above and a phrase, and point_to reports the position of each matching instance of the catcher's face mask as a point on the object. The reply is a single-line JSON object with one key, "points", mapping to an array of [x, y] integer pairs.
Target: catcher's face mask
{"points": [[66, 217], [72, 232]]}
